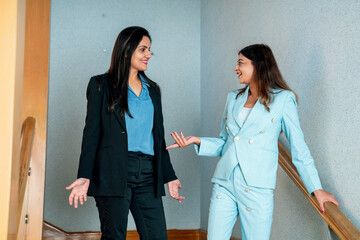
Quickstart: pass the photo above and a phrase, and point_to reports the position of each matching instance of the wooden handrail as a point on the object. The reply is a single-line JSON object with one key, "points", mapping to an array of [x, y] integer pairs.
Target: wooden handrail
{"points": [[27, 137], [333, 216]]}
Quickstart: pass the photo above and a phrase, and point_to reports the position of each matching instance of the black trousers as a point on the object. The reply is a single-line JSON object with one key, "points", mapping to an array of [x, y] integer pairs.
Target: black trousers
{"points": [[147, 210]]}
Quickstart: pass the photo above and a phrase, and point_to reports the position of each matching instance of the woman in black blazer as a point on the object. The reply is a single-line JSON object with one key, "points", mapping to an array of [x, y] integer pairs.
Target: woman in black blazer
{"points": [[123, 161]]}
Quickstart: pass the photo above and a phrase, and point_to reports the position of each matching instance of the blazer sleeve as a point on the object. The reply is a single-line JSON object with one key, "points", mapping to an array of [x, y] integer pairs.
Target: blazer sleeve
{"points": [[168, 170], [212, 147], [300, 153], [91, 133]]}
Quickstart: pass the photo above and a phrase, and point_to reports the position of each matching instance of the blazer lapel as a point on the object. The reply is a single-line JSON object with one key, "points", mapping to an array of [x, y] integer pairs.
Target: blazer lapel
{"points": [[156, 102], [256, 113], [119, 118], [238, 106], [117, 108]]}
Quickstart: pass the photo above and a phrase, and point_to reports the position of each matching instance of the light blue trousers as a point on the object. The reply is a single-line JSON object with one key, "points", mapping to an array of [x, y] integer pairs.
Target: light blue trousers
{"points": [[232, 198]]}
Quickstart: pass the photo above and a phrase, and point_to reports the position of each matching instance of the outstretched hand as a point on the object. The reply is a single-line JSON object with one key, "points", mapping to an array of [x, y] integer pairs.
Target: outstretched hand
{"points": [[173, 187], [322, 197], [181, 141], [79, 191]]}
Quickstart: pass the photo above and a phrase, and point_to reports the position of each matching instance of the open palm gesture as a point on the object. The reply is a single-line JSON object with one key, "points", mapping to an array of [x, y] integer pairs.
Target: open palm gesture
{"points": [[181, 141], [79, 191]]}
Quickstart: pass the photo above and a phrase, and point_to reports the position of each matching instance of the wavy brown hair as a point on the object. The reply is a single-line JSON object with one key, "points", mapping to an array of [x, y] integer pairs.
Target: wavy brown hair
{"points": [[266, 72]]}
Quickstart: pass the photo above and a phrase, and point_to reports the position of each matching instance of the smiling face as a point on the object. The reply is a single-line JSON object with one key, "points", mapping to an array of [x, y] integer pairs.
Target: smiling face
{"points": [[141, 55], [244, 69]]}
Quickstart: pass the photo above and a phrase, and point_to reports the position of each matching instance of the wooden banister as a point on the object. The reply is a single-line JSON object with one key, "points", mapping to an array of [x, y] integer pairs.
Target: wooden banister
{"points": [[333, 216], [27, 137]]}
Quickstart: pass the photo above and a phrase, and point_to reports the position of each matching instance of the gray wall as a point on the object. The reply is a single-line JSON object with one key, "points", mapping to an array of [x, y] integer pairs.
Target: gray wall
{"points": [[317, 49], [82, 36], [316, 44]]}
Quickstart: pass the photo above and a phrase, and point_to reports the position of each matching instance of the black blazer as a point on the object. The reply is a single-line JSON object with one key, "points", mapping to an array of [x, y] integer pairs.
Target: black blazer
{"points": [[104, 148]]}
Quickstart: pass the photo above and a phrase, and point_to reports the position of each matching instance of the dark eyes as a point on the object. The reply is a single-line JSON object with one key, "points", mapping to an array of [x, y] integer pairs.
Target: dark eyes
{"points": [[143, 49]]}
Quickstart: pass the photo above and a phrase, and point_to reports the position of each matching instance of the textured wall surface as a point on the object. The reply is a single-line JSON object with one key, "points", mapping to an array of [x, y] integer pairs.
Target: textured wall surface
{"points": [[316, 45], [82, 37], [317, 49]]}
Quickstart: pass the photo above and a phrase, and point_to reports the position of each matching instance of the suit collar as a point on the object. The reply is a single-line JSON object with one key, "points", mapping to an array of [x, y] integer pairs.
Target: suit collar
{"points": [[239, 105], [105, 79], [143, 80], [255, 113], [119, 118], [154, 95]]}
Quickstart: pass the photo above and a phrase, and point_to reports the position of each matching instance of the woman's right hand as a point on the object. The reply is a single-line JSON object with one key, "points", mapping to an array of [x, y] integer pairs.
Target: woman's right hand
{"points": [[79, 191], [181, 141]]}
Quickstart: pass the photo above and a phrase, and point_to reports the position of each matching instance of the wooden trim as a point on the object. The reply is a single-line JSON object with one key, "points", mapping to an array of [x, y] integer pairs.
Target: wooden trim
{"points": [[333, 216], [177, 234], [203, 235], [27, 137], [35, 98], [53, 232], [12, 32]]}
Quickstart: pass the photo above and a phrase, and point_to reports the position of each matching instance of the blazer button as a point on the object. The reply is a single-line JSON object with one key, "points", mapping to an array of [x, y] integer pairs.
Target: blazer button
{"points": [[273, 120], [251, 141], [218, 196], [237, 138], [262, 132], [247, 190], [248, 209], [227, 128]]}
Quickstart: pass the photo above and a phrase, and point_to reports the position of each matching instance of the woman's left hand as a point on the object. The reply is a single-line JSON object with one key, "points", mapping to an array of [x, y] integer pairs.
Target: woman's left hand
{"points": [[322, 197], [173, 187]]}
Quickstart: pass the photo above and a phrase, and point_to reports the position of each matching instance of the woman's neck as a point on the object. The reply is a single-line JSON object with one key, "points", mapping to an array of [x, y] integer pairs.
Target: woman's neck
{"points": [[133, 76], [254, 92]]}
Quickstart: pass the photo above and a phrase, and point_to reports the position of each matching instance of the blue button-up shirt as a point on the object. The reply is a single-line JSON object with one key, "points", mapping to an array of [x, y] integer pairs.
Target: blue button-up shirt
{"points": [[139, 128]]}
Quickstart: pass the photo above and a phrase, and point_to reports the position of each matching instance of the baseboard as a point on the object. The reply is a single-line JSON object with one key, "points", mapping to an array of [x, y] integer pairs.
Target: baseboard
{"points": [[52, 232], [203, 235], [173, 234]]}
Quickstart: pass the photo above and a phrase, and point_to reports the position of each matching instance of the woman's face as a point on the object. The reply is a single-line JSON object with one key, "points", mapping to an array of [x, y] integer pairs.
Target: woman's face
{"points": [[141, 55], [244, 69]]}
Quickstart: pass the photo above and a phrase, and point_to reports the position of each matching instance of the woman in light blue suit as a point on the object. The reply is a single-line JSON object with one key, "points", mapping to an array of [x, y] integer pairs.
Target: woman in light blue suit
{"points": [[245, 175]]}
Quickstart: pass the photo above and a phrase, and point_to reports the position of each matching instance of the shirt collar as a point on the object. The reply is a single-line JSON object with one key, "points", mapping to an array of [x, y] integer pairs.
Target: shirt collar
{"points": [[144, 91], [143, 80]]}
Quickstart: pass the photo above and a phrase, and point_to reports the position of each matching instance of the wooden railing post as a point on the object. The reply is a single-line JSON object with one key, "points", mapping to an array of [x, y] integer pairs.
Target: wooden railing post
{"points": [[35, 101], [27, 137]]}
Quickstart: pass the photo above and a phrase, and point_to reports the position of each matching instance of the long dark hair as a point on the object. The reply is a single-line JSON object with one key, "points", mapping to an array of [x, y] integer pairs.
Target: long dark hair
{"points": [[267, 73], [124, 47]]}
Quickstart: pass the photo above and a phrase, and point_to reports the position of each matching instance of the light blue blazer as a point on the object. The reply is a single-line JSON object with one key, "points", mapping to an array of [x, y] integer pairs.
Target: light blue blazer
{"points": [[254, 144]]}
